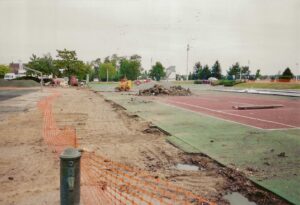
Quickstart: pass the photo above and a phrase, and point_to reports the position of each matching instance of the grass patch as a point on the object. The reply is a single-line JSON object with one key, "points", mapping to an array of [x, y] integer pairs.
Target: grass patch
{"points": [[226, 83], [269, 85], [18, 83], [184, 82], [103, 83]]}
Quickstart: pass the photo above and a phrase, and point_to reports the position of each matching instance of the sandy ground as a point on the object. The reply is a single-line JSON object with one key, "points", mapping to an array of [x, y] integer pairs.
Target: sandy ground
{"points": [[109, 131], [29, 172]]}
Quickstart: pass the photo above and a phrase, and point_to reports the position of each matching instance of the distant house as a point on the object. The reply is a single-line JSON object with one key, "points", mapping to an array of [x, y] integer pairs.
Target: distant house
{"points": [[18, 69], [14, 68], [171, 73]]}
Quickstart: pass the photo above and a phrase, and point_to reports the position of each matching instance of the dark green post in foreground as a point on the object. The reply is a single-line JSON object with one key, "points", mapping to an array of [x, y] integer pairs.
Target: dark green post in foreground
{"points": [[70, 177]]}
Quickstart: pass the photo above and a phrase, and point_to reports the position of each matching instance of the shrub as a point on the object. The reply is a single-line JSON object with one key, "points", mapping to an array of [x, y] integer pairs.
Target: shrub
{"points": [[229, 83], [28, 78], [285, 78], [201, 82], [198, 82], [45, 80]]}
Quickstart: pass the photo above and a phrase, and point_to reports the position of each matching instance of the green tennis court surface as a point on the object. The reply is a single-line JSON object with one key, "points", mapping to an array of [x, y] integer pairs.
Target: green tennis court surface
{"points": [[253, 151]]}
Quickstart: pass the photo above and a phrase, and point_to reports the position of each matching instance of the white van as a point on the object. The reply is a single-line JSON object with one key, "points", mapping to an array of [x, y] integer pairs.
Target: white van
{"points": [[10, 76]]}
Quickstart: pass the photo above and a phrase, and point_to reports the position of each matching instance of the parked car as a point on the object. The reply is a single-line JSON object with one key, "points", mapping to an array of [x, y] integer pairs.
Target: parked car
{"points": [[10, 76]]}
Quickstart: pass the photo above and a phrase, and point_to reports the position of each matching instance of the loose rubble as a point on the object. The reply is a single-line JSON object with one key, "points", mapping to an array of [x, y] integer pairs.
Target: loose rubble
{"points": [[161, 90]]}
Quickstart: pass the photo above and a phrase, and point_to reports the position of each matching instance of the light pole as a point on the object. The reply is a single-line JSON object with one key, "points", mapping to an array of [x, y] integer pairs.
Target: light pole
{"points": [[240, 73], [106, 74], [187, 61], [297, 71]]}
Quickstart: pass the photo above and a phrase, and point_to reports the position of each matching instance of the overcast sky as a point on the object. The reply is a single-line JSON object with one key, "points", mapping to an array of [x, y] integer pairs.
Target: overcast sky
{"points": [[264, 32]]}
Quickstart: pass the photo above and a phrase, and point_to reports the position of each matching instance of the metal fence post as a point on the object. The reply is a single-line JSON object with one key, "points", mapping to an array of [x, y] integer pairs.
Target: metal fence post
{"points": [[70, 177]]}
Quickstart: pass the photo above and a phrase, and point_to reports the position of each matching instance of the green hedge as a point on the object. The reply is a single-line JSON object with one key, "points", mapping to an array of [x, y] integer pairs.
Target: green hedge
{"points": [[201, 82], [33, 78], [227, 83]]}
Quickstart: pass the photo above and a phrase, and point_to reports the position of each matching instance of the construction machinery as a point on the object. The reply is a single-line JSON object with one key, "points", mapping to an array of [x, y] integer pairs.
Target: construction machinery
{"points": [[124, 85]]}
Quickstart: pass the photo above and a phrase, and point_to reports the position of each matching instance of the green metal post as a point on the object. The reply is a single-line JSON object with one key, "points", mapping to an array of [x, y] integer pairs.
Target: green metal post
{"points": [[70, 177]]}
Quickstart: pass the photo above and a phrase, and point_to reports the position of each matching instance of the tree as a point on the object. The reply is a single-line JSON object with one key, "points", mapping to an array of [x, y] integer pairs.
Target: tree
{"points": [[197, 70], [136, 57], [234, 70], [246, 71], [205, 73], [287, 73], [114, 59], [157, 71], [107, 70], [96, 64], [191, 76], [82, 70], [45, 64], [130, 68], [67, 60], [257, 74], [216, 70], [107, 59], [144, 75], [3, 70], [97, 61]]}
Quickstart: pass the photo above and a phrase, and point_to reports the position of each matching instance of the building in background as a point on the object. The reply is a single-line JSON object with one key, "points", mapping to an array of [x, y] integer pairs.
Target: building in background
{"points": [[17, 69], [171, 73]]}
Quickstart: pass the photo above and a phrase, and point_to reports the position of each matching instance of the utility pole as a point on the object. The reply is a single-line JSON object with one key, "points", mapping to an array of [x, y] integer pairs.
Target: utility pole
{"points": [[187, 61], [240, 73], [297, 71], [106, 74], [249, 69]]}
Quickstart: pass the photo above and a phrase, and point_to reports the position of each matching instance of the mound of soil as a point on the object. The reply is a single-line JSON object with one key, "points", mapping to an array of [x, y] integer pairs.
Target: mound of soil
{"points": [[161, 90]]}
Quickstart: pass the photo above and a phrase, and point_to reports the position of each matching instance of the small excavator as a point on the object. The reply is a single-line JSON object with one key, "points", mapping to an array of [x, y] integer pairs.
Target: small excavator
{"points": [[124, 85]]}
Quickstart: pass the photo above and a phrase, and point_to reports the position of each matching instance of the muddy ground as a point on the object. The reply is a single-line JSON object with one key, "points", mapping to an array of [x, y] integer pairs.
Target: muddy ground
{"points": [[29, 172]]}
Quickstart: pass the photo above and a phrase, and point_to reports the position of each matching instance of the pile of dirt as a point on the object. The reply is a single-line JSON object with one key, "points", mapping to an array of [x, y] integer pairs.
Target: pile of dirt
{"points": [[161, 90]]}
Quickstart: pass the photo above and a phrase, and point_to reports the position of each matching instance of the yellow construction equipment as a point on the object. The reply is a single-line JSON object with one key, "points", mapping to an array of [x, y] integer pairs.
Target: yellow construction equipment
{"points": [[124, 85]]}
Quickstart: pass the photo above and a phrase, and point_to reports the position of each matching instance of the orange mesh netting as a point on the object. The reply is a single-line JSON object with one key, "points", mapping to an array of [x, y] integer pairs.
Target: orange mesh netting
{"points": [[106, 182]]}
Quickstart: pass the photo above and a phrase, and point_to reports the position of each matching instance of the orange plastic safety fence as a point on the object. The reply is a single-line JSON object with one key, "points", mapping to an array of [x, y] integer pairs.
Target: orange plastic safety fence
{"points": [[106, 182]]}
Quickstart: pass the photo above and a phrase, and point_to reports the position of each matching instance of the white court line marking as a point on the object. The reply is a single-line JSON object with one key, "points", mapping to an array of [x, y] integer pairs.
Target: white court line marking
{"points": [[218, 111], [280, 101], [211, 116], [278, 129]]}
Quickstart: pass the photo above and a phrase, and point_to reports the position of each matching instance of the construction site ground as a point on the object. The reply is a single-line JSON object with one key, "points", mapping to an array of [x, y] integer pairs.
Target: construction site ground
{"points": [[29, 171], [262, 148]]}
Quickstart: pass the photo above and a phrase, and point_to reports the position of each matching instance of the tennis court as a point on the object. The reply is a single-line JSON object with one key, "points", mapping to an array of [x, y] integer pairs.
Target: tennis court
{"points": [[206, 123], [221, 106]]}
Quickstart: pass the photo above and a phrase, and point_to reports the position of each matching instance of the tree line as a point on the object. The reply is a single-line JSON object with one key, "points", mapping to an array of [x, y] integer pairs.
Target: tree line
{"points": [[234, 72], [111, 68], [204, 72], [67, 64], [114, 67]]}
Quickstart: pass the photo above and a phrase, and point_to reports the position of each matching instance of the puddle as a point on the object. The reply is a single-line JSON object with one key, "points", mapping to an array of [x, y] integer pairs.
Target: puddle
{"points": [[236, 198], [186, 167]]}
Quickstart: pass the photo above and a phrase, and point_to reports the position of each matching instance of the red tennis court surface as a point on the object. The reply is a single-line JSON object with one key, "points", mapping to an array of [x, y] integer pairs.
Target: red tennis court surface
{"points": [[220, 106]]}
